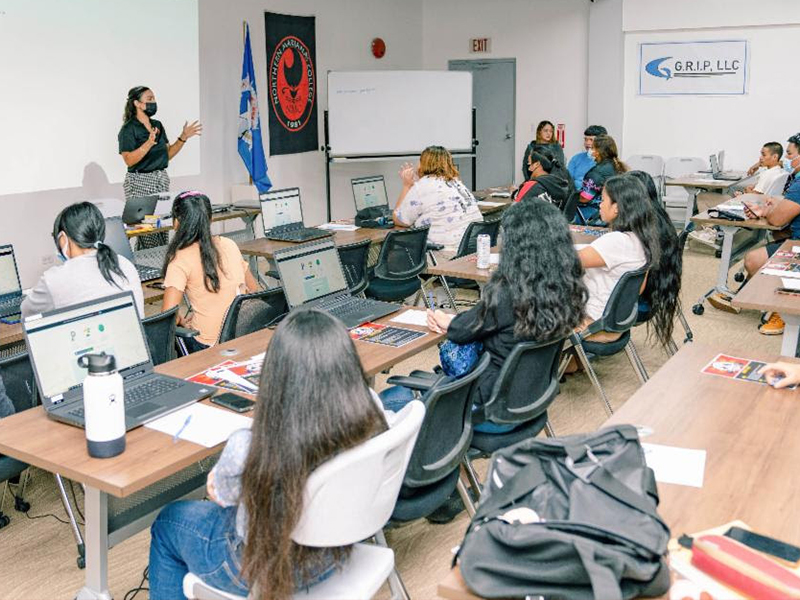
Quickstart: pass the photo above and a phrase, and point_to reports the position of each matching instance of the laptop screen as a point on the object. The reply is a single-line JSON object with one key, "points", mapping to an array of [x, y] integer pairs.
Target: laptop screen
{"points": [[57, 340], [281, 207], [714, 164], [117, 239], [310, 271], [9, 277], [369, 191]]}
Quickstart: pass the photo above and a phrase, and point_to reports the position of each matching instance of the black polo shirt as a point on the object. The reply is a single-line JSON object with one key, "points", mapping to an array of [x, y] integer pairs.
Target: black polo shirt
{"points": [[133, 134]]}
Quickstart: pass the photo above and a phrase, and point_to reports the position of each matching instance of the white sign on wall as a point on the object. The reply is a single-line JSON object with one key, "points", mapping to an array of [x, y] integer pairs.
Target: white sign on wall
{"points": [[693, 68]]}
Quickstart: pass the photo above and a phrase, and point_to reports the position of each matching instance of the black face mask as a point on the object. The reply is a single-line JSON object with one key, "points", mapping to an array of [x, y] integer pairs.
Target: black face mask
{"points": [[150, 108]]}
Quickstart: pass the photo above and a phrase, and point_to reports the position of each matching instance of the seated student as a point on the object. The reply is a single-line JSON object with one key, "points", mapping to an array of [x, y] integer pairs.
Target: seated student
{"points": [[607, 165], [663, 285], [545, 138], [536, 293], [208, 268], [433, 195], [771, 169], [580, 164], [545, 178], [777, 210], [90, 269], [241, 539], [632, 243]]}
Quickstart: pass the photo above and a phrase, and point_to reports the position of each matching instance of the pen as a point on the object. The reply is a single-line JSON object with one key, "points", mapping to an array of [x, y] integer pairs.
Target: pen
{"points": [[178, 433], [430, 301]]}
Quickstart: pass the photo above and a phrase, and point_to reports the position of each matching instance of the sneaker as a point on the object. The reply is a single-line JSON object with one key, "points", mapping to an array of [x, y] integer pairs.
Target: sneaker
{"points": [[706, 236], [772, 327], [723, 302]]}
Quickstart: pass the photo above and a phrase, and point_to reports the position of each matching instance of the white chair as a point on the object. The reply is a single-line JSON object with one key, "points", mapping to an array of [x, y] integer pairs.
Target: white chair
{"points": [[676, 197], [776, 189], [651, 164], [349, 499]]}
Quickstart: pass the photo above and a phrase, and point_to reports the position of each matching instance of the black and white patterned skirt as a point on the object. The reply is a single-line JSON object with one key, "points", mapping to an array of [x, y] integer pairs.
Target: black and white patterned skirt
{"points": [[147, 184]]}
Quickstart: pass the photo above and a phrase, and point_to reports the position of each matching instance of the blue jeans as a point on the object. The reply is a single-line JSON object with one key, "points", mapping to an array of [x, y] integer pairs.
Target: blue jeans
{"points": [[397, 396], [197, 536]]}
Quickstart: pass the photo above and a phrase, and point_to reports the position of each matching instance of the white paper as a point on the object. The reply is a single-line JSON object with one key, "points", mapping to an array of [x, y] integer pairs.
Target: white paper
{"points": [[412, 317], [208, 426], [494, 258], [791, 284], [487, 204], [795, 249], [781, 273], [681, 466], [500, 195], [338, 226]]}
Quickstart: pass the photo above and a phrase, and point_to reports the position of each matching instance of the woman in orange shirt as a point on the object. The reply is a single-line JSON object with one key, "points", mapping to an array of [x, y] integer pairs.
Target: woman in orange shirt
{"points": [[209, 269]]}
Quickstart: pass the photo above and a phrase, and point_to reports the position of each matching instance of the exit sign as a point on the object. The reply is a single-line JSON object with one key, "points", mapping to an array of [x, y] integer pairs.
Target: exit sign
{"points": [[480, 45]]}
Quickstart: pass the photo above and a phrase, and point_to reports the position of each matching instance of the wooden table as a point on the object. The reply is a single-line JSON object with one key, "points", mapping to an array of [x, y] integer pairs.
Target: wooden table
{"points": [[503, 201], [749, 433], [759, 294], [266, 248], [728, 255], [697, 182], [248, 215], [150, 455]]}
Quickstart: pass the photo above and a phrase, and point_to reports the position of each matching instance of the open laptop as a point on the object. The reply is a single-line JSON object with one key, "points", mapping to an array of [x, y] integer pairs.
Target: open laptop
{"points": [[716, 168], [136, 209], [57, 339], [369, 192], [312, 275], [118, 241], [10, 287], [282, 215]]}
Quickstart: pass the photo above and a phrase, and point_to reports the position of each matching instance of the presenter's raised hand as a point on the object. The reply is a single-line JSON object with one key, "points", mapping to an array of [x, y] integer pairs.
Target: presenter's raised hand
{"points": [[191, 129], [153, 136]]}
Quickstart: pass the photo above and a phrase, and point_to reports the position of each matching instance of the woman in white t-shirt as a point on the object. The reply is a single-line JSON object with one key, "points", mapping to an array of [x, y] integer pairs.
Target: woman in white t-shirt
{"points": [[434, 195]]}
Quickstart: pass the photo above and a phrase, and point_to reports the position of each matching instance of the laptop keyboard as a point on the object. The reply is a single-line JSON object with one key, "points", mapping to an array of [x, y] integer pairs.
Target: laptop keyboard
{"points": [[10, 303], [148, 273], [138, 394], [341, 306], [298, 235]]}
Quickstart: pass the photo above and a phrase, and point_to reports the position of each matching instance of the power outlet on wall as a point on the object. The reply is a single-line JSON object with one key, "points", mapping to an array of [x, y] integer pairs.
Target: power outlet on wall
{"points": [[49, 260]]}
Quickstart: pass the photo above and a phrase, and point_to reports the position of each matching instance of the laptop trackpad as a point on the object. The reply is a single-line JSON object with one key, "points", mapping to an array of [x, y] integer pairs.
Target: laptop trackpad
{"points": [[142, 409]]}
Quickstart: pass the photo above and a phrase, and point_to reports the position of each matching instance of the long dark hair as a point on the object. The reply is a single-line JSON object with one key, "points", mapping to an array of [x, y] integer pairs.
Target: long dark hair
{"points": [[542, 125], [83, 224], [134, 95], [546, 157], [664, 279], [606, 149], [314, 402], [193, 212], [540, 270]]}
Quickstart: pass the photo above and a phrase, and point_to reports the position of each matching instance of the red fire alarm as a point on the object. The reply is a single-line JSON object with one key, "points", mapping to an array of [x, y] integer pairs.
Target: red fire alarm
{"points": [[378, 48]]}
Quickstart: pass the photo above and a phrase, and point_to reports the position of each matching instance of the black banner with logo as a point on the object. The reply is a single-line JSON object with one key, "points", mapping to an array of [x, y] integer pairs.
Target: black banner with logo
{"points": [[291, 83]]}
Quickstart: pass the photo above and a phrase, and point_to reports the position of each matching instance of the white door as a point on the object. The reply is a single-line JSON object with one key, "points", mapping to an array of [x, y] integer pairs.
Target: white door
{"points": [[493, 94]]}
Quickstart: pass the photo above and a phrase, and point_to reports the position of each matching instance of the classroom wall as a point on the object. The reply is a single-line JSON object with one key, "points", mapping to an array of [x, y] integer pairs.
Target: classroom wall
{"points": [[345, 29], [701, 125], [551, 59], [605, 85]]}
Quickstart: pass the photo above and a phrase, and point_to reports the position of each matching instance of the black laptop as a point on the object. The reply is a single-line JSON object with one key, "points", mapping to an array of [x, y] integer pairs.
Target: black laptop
{"points": [[312, 275], [282, 215], [136, 209], [10, 287], [118, 241], [57, 339]]}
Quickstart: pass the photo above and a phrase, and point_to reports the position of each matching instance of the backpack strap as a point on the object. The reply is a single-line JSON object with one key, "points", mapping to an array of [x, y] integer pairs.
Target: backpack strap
{"points": [[603, 580]]}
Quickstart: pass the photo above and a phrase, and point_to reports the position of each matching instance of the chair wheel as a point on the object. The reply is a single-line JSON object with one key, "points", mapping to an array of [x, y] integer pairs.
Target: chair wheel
{"points": [[698, 309], [4, 520], [20, 505], [739, 277], [81, 562]]}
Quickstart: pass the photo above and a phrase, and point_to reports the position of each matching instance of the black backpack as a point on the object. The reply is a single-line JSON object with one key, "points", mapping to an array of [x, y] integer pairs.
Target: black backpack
{"points": [[572, 517]]}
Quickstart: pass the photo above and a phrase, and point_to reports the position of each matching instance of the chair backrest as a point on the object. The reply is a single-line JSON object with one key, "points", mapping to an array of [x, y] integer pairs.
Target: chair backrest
{"points": [[240, 235], [570, 206], [623, 304], [159, 330], [651, 164], [447, 429], [151, 257], [527, 383], [252, 312], [19, 381], [776, 189], [469, 241], [677, 166], [354, 263], [403, 254], [351, 497]]}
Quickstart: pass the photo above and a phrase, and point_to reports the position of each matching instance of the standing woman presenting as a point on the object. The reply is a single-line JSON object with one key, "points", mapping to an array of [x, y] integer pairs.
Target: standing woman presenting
{"points": [[145, 148]]}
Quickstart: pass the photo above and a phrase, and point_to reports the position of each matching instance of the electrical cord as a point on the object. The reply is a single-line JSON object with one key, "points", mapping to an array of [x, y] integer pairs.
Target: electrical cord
{"points": [[57, 518], [131, 594], [75, 499]]}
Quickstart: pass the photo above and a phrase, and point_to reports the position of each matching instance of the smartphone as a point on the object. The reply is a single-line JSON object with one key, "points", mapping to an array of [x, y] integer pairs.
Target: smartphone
{"points": [[233, 402], [765, 544], [787, 291]]}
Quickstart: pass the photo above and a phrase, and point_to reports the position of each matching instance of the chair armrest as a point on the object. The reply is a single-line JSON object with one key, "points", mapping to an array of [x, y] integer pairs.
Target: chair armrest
{"points": [[414, 383], [185, 332], [274, 274], [424, 374], [434, 246]]}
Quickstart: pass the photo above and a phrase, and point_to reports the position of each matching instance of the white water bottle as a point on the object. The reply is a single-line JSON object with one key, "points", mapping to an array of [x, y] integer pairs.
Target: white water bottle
{"points": [[103, 406], [484, 250]]}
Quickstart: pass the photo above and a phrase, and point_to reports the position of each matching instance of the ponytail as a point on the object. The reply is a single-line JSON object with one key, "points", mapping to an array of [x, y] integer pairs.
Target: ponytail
{"points": [[83, 224], [134, 94]]}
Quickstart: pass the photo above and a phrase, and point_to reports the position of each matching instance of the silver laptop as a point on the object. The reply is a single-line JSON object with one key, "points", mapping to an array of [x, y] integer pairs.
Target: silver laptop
{"points": [[57, 339], [312, 275], [282, 216], [718, 173], [369, 192], [118, 241], [10, 287]]}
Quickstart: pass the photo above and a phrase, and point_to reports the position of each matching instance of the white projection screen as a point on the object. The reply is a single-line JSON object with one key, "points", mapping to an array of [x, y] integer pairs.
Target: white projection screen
{"points": [[66, 68]]}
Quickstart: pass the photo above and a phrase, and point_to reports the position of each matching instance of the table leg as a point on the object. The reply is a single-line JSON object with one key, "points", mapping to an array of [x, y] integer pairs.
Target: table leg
{"points": [[691, 201], [791, 332], [96, 539], [725, 258]]}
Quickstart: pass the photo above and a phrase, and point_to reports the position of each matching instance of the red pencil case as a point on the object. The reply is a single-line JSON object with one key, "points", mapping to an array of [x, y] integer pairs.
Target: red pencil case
{"points": [[743, 569]]}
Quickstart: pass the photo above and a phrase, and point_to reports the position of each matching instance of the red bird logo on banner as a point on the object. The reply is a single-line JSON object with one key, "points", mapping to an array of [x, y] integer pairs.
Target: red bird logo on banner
{"points": [[292, 83]]}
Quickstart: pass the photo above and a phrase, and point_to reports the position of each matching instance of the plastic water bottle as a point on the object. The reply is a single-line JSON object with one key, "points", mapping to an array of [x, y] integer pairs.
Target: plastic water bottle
{"points": [[484, 250], [103, 406]]}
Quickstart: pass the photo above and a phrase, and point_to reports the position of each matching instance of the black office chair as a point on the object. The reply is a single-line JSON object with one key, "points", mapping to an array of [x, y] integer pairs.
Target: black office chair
{"points": [[402, 260], [252, 312], [619, 316], [160, 333], [570, 207], [20, 385], [443, 441], [525, 388], [354, 259]]}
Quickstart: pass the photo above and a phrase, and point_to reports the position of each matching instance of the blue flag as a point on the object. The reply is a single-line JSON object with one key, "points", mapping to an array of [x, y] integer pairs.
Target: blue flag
{"points": [[251, 149]]}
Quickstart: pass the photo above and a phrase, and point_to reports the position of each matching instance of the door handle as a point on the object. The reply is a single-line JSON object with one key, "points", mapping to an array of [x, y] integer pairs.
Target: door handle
{"points": [[507, 137]]}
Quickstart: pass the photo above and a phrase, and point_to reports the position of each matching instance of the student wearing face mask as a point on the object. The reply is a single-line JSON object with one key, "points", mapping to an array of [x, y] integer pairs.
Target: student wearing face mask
{"points": [[580, 164], [89, 269]]}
